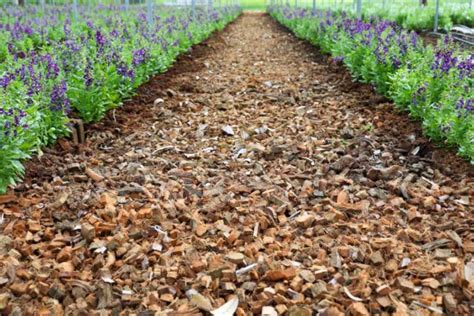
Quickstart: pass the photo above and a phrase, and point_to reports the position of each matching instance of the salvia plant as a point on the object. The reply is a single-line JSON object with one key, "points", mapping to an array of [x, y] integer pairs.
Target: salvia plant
{"points": [[435, 84], [56, 65], [417, 18]]}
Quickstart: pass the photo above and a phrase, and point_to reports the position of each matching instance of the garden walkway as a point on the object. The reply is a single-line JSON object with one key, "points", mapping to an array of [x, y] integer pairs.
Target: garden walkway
{"points": [[254, 168]]}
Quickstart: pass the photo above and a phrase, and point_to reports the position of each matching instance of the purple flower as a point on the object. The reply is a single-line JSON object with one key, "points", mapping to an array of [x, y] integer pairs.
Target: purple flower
{"points": [[420, 94], [125, 72], [6, 128], [170, 20], [447, 40], [184, 23], [100, 40], [13, 122], [6, 79], [59, 100], [114, 33], [465, 67], [22, 72], [396, 62], [87, 74], [66, 27], [466, 106], [444, 61], [35, 85], [52, 67], [139, 57], [413, 39]]}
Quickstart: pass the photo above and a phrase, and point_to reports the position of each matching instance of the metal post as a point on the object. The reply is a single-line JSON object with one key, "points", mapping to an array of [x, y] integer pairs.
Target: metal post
{"points": [[314, 6], [209, 9], [296, 3], [384, 4], [149, 12], [359, 9], [74, 8], [470, 4], [127, 4], [436, 21]]}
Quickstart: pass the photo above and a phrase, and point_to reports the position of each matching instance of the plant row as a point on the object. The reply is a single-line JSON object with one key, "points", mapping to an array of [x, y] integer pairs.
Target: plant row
{"points": [[418, 18], [57, 65], [411, 16], [435, 84]]}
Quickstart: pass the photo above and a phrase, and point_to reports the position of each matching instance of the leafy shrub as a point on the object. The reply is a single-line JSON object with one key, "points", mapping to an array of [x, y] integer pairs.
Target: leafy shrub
{"points": [[52, 66]]}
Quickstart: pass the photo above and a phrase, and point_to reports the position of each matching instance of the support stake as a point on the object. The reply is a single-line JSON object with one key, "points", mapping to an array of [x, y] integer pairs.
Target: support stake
{"points": [[436, 21], [359, 9]]}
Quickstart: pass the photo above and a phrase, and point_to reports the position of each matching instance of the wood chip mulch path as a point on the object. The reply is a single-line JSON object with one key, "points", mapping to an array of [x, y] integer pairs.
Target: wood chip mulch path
{"points": [[255, 169]]}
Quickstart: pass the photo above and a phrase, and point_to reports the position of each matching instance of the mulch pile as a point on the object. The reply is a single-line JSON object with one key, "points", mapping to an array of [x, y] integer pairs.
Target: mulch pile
{"points": [[255, 172]]}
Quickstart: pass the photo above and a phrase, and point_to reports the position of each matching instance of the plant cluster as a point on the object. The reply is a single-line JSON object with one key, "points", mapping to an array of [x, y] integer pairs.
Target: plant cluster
{"points": [[435, 84], [418, 18], [57, 64], [411, 16]]}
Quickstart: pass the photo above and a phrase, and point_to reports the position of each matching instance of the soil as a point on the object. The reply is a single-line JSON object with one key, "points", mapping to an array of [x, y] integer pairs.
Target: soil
{"points": [[429, 38], [432, 39], [253, 170]]}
